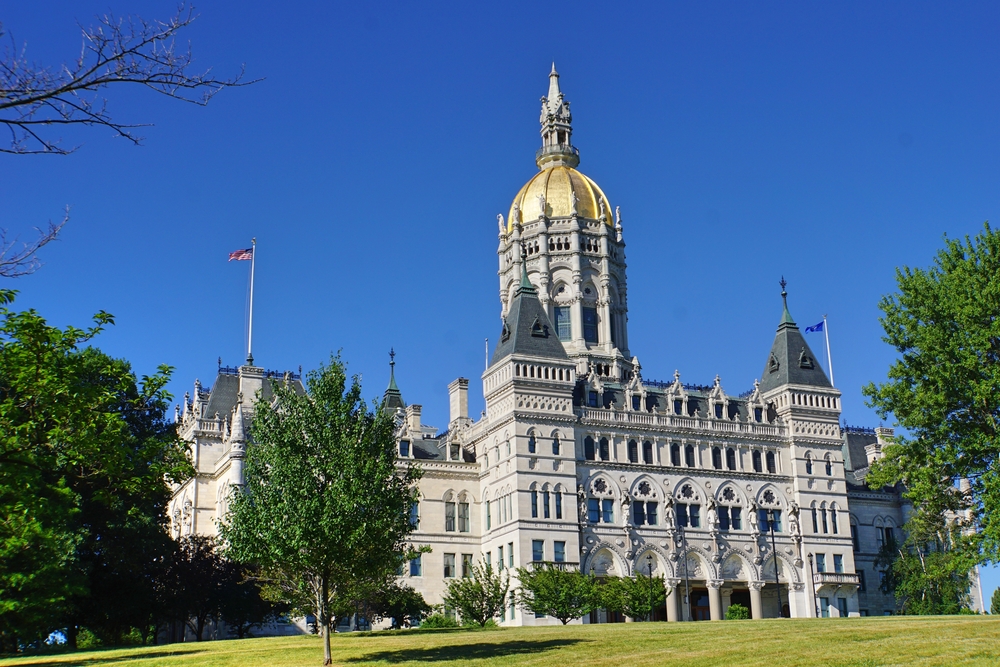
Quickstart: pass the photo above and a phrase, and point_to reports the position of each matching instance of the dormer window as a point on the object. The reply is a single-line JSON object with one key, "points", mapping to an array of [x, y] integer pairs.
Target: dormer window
{"points": [[404, 448], [718, 410], [592, 399]]}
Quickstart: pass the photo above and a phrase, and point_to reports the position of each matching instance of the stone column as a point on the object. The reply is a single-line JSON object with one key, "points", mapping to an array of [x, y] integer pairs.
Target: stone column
{"points": [[715, 600], [756, 606], [672, 599]]}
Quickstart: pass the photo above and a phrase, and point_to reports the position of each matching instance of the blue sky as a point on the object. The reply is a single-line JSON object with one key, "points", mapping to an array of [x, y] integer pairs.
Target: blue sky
{"points": [[829, 143]]}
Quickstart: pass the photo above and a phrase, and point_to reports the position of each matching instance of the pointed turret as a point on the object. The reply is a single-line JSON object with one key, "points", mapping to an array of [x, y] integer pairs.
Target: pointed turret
{"points": [[557, 127], [237, 432], [392, 399], [527, 329], [791, 361]]}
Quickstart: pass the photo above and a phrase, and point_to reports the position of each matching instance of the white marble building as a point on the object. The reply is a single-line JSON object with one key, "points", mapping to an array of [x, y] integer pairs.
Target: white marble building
{"points": [[580, 459]]}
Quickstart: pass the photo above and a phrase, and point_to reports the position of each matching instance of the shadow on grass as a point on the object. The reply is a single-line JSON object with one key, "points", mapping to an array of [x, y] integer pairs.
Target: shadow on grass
{"points": [[50, 661], [466, 652]]}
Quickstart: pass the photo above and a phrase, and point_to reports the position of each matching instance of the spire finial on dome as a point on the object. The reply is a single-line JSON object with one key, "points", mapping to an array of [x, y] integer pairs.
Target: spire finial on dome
{"points": [[557, 127]]}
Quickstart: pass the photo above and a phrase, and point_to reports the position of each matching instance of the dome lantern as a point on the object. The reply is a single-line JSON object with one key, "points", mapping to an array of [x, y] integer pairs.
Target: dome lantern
{"points": [[557, 128]]}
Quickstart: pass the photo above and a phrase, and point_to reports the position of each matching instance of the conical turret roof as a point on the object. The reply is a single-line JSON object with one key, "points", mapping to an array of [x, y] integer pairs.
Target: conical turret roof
{"points": [[791, 360]]}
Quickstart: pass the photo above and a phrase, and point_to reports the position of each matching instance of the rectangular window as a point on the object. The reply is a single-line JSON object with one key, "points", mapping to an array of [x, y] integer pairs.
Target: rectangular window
{"points": [[449, 517], [678, 408], [647, 452], [463, 517], [675, 454], [500, 557], [545, 504], [510, 554], [694, 516], [638, 513], [537, 550], [558, 505], [736, 518], [489, 558], [838, 563], [449, 566], [466, 565], [651, 514], [824, 607], [890, 538], [534, 504], [415, 566], [592, 399], [590, 324], [489, 516], [605, 450], [608, 510], [415, 515], [842, 607], [689, 456], [682, 515], [855, 542], [821, 562], [593, 510], [559, 551], [404, 448], [563, 328], [777, 521], [724, 518]]}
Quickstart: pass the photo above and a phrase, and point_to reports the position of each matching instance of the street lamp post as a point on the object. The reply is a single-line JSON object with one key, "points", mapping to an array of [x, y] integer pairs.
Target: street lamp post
{"points": [[774, 554], [649, 569]]}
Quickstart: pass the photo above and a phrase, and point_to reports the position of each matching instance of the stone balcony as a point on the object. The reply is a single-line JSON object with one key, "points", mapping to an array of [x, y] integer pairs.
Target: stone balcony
{"points": [[836, 579]]}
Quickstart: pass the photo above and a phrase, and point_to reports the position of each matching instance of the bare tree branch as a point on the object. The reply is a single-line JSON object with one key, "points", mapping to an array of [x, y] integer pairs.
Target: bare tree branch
{"points": [[117, 50], [20, 261]]}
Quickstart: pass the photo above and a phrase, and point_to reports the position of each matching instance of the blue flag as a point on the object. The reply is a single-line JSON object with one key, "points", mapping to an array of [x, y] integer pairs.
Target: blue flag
{"points": [[815, 327]]}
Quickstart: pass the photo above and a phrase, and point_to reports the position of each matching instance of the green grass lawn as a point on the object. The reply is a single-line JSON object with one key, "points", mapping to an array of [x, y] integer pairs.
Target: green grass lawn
{"points": [[853, 642]]}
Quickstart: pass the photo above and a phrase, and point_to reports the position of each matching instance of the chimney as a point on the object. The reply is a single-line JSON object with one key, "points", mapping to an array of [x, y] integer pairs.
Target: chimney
{"points": [[458, 399], [413, 418]]}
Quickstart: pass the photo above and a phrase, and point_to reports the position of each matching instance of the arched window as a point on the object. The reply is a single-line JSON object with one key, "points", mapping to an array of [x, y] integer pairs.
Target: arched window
{"points": [[833, 520], [731, 458], [756, 462], [815, 519], [531, 443], [555, 444], [689, 456], [633, 452], [770, 462], [809, 464], [588, 448], [829, 466], [717, 458], [675, 454], [826, 522], [647, 452], [605, 450]]}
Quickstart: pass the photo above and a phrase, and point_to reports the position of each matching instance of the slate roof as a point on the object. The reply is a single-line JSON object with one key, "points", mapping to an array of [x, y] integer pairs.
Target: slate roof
{"points": [[791, 360], [392, 399], [527, 329], [222, 395]]}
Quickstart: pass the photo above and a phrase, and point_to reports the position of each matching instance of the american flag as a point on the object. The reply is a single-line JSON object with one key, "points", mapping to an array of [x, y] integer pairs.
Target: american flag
{"points": [[240, 255]]}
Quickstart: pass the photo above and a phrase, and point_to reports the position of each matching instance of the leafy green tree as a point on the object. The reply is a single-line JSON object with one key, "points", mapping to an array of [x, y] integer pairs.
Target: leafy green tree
{"points": [[737, 612], [562, 593], [995, 602], [481, 597], [631, 596], [930, 572], [324, 505], [244, 605], [86, 456], [405, 606], [944, 388]]}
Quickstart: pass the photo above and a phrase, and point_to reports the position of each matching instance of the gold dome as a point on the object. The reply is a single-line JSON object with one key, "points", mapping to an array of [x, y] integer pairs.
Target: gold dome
{"points": [[556, 183]]}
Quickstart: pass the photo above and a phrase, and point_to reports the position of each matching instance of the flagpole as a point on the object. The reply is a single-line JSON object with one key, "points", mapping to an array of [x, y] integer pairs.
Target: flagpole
{"points": [[829, 361], [253, 259]]}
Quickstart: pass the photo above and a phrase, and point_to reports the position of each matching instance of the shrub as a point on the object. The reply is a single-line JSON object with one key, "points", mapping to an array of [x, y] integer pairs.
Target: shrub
{"points": [[737, 612], [438, 621]]}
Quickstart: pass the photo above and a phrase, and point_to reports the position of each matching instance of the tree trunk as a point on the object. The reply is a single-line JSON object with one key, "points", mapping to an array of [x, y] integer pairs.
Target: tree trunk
{"points": [[71, 632], [325, 618]]}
